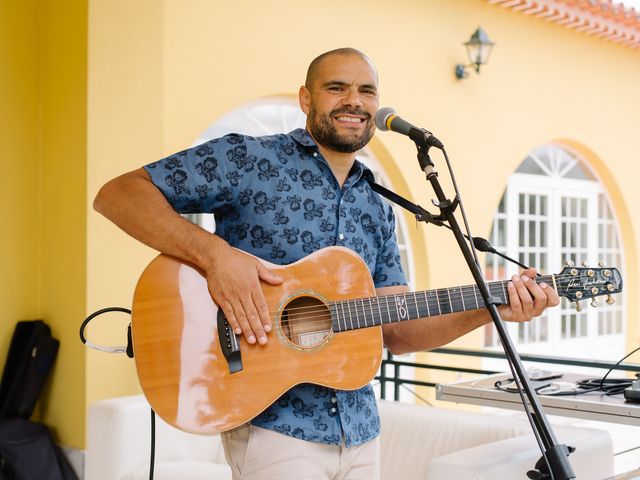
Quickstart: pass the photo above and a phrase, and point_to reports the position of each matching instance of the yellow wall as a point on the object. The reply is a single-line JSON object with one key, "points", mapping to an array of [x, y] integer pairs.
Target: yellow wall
{"points": [[43, 190], [19, 192], [63, 226], [128, 82]]}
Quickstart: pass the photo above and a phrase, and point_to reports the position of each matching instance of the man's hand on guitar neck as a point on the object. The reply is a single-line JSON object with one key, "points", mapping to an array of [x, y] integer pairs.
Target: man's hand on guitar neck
{"points": [[234, 283], [527, 298]]}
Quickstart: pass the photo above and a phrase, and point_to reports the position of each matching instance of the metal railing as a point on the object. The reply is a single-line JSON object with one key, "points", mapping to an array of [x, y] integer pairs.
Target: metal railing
{"points": [[396, 381]]}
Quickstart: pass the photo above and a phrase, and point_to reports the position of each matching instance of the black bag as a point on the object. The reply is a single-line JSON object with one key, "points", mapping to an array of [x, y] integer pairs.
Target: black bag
{"points": [[31, 357], [27, 452]]}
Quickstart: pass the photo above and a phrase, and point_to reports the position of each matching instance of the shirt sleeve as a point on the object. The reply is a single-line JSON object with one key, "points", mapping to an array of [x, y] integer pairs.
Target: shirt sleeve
{"points": [[202, 179], [389, 270]]}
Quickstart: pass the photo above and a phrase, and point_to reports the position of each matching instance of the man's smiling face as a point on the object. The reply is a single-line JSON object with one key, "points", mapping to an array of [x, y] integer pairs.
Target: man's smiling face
{"points": [[341, 102]]}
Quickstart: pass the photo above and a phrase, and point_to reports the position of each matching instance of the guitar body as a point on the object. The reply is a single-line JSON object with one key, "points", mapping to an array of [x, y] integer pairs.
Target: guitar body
{"points": [[181, 365]]}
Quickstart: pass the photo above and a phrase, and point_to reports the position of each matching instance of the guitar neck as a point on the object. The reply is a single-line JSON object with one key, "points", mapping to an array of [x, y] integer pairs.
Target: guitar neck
{"points": [[375, 311]]}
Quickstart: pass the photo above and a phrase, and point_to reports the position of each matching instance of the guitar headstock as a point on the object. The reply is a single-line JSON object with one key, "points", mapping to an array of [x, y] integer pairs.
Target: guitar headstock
{"points": [[582, 283]]}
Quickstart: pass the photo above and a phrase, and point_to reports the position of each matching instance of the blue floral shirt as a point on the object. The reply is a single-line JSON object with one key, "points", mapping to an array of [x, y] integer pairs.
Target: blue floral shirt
{"points": [[277, 198]]}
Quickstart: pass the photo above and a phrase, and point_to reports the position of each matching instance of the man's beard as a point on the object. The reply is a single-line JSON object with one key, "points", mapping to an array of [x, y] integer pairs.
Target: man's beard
{"points": [[324, 131]]}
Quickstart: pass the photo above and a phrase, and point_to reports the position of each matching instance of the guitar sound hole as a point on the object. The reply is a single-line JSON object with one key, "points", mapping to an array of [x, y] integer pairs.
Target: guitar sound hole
{"points": [[306, 322]]}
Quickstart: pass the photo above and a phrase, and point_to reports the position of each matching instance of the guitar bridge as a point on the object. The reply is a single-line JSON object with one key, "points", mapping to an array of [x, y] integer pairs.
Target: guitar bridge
{"points": [[229, 344]]}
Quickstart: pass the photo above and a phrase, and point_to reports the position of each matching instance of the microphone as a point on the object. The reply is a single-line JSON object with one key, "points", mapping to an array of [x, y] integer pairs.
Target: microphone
{"points": [[387, 119]]}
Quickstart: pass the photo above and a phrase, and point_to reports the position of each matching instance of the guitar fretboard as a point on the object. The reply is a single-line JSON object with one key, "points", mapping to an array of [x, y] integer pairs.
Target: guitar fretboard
{"points": [[373, 311]]}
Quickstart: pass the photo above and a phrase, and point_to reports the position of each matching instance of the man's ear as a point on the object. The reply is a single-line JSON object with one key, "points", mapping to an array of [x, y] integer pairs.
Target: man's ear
{"points": [[304, 96]]}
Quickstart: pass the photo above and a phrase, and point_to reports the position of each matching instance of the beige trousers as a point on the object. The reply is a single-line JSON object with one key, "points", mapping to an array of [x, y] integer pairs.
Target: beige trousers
{"points": [[256, 453]]}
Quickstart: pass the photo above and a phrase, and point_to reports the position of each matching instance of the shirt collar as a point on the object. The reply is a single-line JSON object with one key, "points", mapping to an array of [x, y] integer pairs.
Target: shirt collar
{"points": [[303, 137]]}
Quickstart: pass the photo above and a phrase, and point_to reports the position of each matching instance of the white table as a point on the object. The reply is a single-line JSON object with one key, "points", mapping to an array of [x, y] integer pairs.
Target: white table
{"points": [[589, 406]]}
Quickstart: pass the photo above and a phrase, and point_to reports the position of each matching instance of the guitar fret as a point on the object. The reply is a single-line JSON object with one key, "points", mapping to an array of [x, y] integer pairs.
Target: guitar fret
{"points": [[349, 312], [442, 302], [388, 309], [395, 304], [458, 306], [415, 300], [464, 307], [379, 311], [364, 314], [355, 311], [506, 297], [426, 301], [373, 321], [475, 295]]}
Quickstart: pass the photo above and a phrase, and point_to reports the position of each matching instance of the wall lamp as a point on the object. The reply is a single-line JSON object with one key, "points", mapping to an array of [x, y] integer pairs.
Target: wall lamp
{"points": [[478, 50]]}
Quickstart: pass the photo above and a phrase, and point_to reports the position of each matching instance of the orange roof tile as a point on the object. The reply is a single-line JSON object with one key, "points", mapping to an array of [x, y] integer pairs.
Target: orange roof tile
{"points": [[601, 18]]}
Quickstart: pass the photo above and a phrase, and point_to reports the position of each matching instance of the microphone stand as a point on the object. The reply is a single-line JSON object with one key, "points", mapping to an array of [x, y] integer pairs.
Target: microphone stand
{"points": [[554, 463]]}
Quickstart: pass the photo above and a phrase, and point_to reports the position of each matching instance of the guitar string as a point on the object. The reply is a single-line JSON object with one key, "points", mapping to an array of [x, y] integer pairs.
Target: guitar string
{"points": [[320, 311], [353, 311], [435, 292]]}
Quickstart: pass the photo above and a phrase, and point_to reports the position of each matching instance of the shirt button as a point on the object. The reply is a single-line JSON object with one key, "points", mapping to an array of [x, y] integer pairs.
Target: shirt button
{"points": [[315, 154], [341, 236], [333, 410], [334, 400]]}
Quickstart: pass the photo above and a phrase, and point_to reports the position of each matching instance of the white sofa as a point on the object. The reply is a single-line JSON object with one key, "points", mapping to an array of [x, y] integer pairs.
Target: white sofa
{"points": [[417, 443]]}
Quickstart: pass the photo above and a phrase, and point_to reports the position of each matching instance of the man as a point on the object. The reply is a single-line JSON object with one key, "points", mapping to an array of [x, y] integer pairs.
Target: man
{"points": [[280, 198]]}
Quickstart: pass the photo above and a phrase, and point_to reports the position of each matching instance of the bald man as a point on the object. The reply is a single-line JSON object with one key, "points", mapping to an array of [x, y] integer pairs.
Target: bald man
{"points": [[281, 198]]}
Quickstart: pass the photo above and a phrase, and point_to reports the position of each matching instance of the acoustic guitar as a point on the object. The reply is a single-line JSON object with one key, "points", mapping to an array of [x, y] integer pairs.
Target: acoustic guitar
{"points": [[200, 377]]}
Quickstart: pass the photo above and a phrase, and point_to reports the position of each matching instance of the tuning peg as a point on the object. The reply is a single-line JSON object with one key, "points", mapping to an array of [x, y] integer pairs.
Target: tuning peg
{"points": [[610, 300], [569, 263], [578, 306], [594, 303]]}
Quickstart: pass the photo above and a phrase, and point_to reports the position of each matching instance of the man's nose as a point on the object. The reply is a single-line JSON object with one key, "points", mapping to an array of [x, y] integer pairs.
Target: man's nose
{"points": [[353, 98]]}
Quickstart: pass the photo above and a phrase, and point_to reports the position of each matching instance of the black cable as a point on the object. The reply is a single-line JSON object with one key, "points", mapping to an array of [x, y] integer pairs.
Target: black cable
{"points": [[611, 386], [152, 459], [618, 363], [86, 321], [128, 348]]}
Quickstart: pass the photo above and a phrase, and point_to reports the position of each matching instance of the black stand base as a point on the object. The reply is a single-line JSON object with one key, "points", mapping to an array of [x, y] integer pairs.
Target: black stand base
{"points": [[556, 456]]}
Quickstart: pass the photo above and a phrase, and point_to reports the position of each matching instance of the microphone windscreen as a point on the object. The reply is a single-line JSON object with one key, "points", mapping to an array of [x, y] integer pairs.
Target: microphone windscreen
{"points": [[381, 117], [483, 245]]}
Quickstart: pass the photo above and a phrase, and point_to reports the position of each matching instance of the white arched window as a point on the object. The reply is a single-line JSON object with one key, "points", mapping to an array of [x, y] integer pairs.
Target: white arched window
{"points": [[554, 209], [281, 115]]}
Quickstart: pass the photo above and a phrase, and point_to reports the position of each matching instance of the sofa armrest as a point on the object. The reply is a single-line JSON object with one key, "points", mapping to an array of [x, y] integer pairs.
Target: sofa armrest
{"points": [[118, 440], [413, 435], [511, 458]]}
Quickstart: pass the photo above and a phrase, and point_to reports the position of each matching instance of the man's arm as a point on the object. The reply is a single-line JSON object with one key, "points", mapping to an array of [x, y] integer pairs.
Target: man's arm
{"points": [[137, 206], [527, 299]]}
